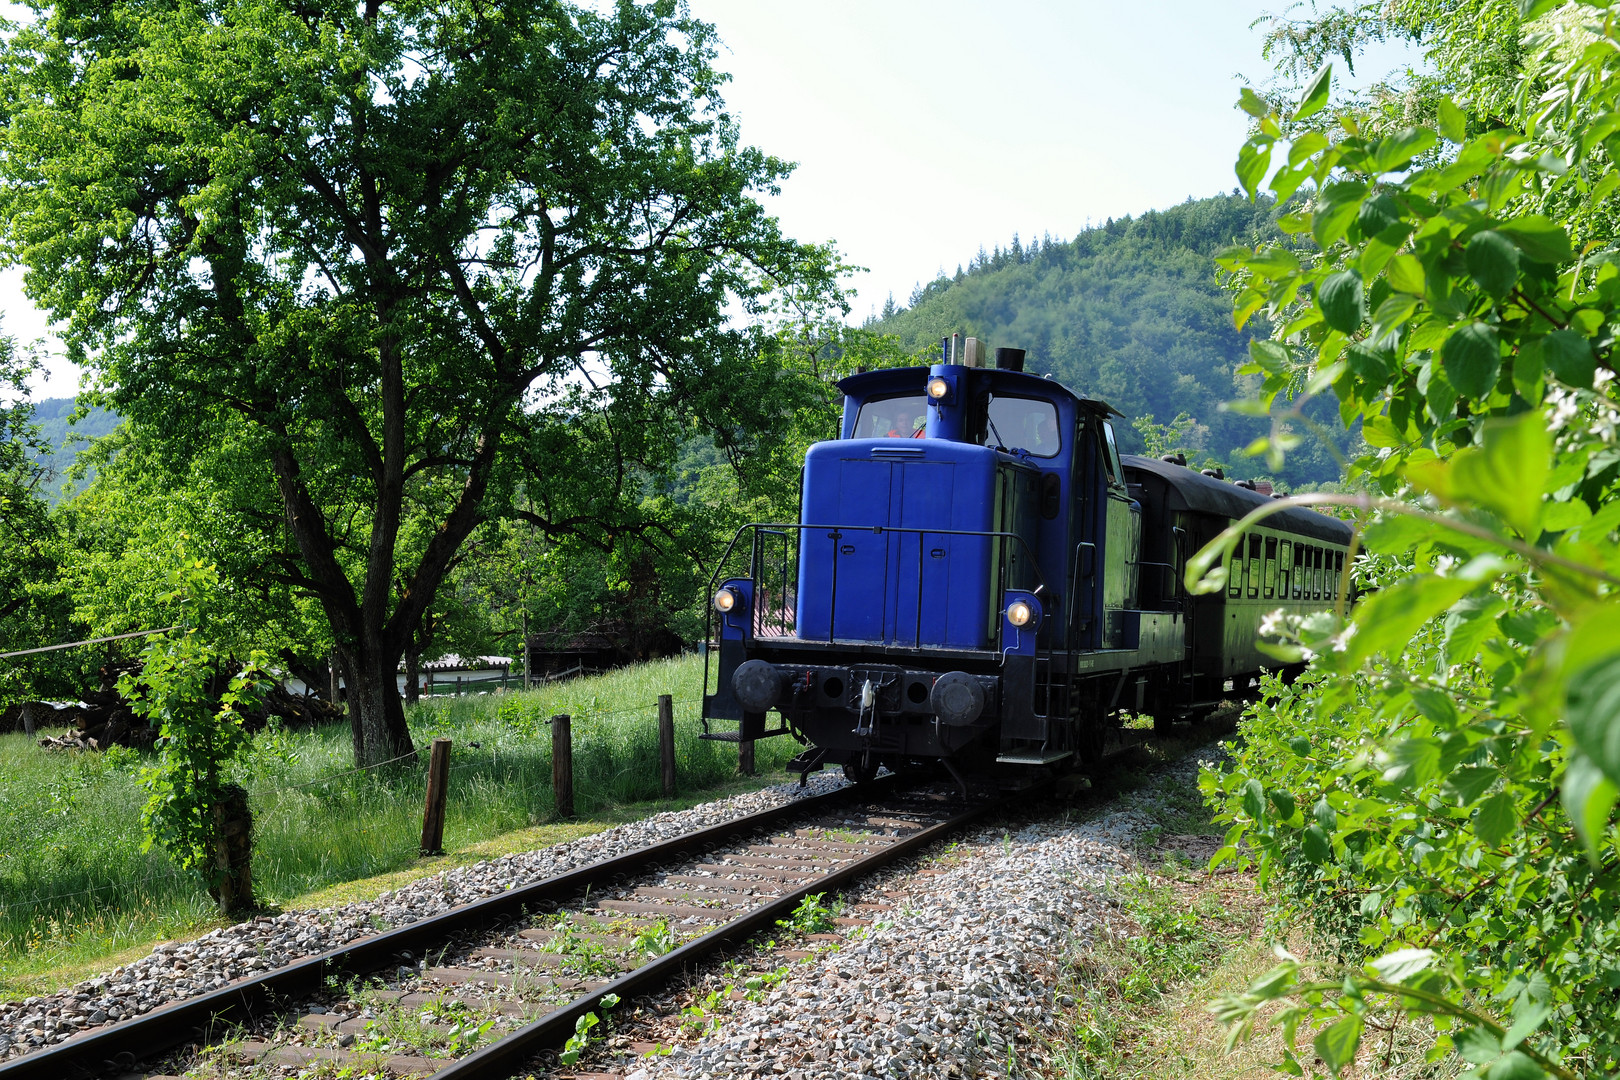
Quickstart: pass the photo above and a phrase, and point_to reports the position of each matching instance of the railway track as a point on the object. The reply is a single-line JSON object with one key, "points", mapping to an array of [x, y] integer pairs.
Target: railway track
{"points": [[479, 991]]}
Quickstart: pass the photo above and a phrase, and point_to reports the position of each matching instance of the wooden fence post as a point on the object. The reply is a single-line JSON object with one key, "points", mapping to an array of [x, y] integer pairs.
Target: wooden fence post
{"points": [[745, 757], [562, 765], [437, 787], [666, 742]]}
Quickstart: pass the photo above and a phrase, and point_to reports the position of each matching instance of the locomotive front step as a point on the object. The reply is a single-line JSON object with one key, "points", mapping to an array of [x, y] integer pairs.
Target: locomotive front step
{"points": [[737, 736]]}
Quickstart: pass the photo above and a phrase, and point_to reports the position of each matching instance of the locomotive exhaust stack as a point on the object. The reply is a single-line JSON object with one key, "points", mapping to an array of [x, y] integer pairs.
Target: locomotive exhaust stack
{"points": [[977, 576]]}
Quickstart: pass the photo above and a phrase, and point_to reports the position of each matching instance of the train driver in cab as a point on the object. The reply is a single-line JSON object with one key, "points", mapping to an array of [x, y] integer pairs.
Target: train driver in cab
{"points": [[907, 423]]}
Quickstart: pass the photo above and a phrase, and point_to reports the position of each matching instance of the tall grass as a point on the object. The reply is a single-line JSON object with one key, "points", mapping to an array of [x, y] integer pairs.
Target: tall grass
{"points": [[75, 882]]}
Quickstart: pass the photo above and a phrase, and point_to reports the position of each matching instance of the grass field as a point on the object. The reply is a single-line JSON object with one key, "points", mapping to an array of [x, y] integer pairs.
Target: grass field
{"points": [[77, 890]]}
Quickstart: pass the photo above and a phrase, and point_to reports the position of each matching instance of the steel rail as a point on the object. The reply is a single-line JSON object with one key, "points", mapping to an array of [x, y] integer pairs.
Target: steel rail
{"points": [[115, 1048], [506, 1057]]}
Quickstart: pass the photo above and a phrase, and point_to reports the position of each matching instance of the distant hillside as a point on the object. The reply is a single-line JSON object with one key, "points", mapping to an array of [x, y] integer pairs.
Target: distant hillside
{"points": [[1129, 312], [66, 440]]}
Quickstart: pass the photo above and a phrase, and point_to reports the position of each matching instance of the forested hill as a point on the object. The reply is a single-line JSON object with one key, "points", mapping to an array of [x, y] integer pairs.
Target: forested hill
{"points": [[66, 440], [1130, 312]]}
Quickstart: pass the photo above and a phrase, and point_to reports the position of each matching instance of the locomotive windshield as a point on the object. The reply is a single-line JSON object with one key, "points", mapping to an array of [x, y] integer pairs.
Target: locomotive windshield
{"points": [[1023, 424], [892, 417]]}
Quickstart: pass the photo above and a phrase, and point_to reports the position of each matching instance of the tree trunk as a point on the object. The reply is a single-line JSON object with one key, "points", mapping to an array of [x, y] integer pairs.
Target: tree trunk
{"points": [[413, 673], [375, 711], [233, 852]]}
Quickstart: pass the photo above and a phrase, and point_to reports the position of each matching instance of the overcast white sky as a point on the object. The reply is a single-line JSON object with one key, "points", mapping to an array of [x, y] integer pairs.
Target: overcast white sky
{"points": [[924, 129]]}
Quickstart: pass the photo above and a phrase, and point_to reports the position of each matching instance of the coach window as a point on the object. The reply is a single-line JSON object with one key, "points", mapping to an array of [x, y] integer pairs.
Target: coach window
{"points": [[1271, 568], [1234, 575], [1298, 579], [1316, 573], [1338, 574], [1285, 563], [1254, 567]]}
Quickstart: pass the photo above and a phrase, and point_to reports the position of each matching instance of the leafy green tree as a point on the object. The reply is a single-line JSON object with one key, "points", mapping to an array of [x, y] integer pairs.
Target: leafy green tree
{"points": [[401, 256], [188, 690], [114, 549], [33, 612], [1439, 792]]}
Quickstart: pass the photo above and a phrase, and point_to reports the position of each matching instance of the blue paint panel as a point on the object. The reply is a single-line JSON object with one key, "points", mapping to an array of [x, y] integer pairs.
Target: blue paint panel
{"points": [[865, 489], [939, 485]]}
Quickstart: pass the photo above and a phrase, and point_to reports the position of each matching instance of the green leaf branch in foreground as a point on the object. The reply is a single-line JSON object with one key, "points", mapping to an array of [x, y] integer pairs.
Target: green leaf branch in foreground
{"points": [[1436, 795]]}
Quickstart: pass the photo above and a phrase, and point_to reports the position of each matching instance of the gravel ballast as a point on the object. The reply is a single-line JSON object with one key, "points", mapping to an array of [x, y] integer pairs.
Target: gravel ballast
{"points": [[963, 978], [178, 970], [959, 981]]}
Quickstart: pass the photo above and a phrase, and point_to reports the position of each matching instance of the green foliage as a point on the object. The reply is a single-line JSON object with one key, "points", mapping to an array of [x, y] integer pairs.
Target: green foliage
{"points": [[655, 940], [814, 915], [419, 268], [581, 1038], [1438, 794], [200, 733], [33, 611]]}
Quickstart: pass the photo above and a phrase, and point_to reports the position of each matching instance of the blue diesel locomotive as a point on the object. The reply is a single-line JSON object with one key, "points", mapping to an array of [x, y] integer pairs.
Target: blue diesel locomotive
{"points": [[978, 576]]}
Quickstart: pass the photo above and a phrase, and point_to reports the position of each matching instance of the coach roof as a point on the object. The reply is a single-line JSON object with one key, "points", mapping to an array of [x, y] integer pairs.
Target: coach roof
{"points": [[1190, 489]]}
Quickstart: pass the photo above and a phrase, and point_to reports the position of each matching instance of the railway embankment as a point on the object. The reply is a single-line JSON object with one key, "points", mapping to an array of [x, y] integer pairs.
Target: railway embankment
{"points": [[175, 971], [969, 957]]}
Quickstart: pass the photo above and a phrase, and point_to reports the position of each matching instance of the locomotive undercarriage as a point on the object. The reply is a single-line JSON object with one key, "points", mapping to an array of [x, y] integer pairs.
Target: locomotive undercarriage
{"points": [[861, 712]]}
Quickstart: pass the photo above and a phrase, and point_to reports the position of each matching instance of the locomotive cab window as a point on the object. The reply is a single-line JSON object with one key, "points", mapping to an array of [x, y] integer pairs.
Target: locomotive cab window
{"points": [[1115, 471], [1016, 423], [900, 417]]}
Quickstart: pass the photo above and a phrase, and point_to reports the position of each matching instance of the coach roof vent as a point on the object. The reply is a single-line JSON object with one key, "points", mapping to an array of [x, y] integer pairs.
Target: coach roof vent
{"points": [[1010, 359]]}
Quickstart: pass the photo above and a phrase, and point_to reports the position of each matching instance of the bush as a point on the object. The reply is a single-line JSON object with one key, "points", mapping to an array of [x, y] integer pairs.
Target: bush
{"points": [[1438, 794]]}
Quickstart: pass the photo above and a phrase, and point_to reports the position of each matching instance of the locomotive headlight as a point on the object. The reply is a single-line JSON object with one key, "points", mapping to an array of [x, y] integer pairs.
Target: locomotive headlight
{"points": [[725, 600], [938, 388], [1019, 613]]}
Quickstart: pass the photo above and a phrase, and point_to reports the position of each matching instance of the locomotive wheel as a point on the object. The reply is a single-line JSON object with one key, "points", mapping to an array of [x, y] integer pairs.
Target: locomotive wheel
{"points": [[857, 773]]}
